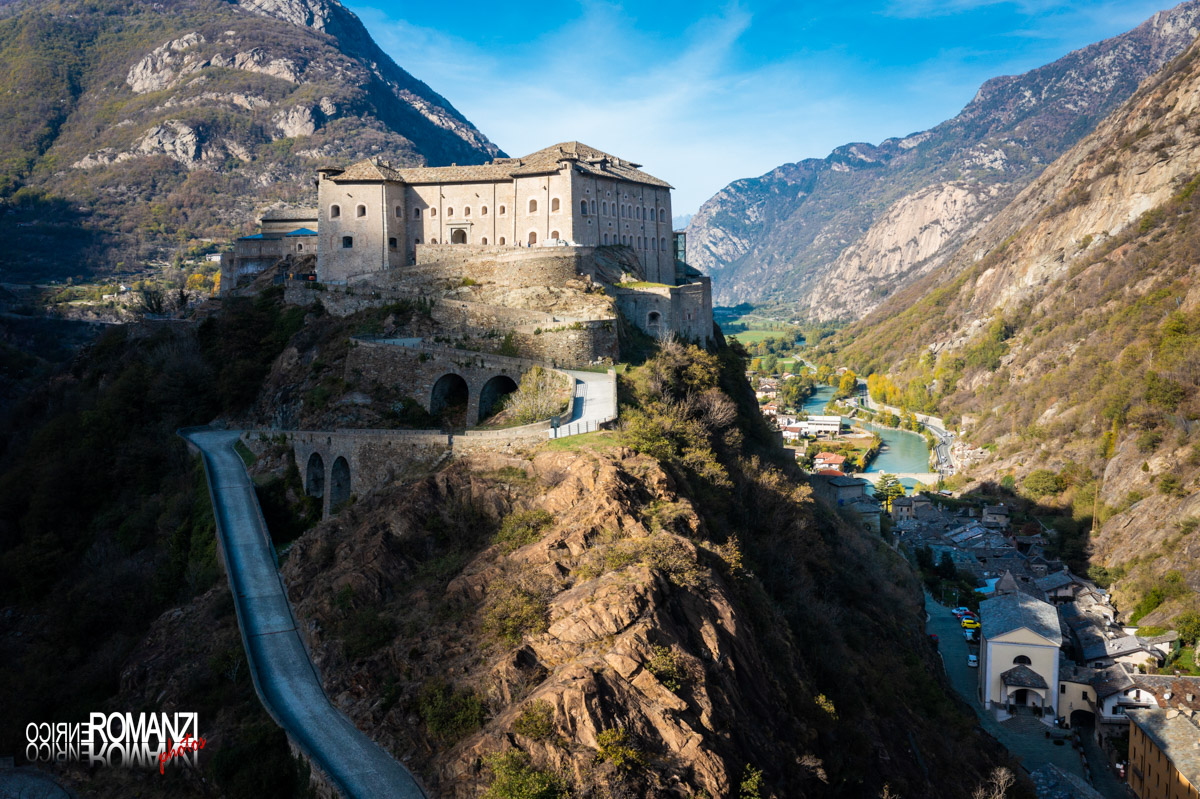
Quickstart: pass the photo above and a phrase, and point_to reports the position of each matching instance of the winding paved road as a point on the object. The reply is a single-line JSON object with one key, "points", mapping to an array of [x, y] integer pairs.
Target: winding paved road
{"points": [[595, 403], [283, 675]]}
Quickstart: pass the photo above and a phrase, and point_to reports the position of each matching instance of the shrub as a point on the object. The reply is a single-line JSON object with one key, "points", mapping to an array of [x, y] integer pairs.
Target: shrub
{"points": [[752, 783], [1188, 626], [536, 720], [522, 527], [1172, 586], [514, 777], [1149, 441], [1041, 483], [615, 746], [450, 714], [1171, 485], [666, 666], [540, 395], [512, 611]]}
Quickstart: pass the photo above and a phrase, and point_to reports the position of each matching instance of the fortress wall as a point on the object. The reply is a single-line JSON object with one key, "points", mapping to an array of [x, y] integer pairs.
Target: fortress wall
{"points": [[686, 310], [580, 345], [506, 266]]}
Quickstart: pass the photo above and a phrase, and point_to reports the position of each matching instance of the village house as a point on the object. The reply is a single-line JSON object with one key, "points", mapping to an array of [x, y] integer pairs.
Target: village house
{"points": [[902, 509], [839, 490], [828, 460], [996, 516], [820, 426], [1164, 760]]}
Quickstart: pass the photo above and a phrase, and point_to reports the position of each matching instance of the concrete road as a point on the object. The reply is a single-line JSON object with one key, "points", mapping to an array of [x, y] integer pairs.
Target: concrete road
{"points": [[595, 403], [284, 676]]}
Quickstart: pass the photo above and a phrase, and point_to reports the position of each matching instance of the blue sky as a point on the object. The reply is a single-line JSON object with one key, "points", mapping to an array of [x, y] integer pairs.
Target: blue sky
{"points": [[703, 94]]}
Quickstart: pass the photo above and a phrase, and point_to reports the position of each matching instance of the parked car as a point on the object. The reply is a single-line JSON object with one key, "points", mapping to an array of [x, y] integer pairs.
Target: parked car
{"points": [[969, 635], [973, 661], [970, 623], [960, 612]]}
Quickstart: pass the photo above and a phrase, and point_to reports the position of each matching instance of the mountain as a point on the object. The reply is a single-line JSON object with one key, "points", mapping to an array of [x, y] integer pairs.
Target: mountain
{"points": [[132, 129], [1064, 336], [836, 235]]}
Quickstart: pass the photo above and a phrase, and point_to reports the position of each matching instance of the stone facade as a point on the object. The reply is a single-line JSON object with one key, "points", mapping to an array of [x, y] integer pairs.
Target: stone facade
{"points": [[282, 232], [685, 310], [373, 217]]}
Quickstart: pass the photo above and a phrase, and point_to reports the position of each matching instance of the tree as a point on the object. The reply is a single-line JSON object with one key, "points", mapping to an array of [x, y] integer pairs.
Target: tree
{"points": [[847, 385], [1041, 483], [888, 488], [1188, 626], [945, 567]]}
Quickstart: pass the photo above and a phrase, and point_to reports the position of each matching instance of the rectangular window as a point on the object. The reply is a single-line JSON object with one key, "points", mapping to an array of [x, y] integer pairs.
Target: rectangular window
{"points": [[1062, 689], [347, 242]]}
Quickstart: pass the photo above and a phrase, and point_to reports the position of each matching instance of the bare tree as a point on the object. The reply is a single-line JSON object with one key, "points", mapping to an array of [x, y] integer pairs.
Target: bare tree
{"points": [[997, 785]]}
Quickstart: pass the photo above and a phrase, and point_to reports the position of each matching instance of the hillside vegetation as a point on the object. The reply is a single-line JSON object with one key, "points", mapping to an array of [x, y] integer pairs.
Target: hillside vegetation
{"points": [[133, 132], [1072, 348]]}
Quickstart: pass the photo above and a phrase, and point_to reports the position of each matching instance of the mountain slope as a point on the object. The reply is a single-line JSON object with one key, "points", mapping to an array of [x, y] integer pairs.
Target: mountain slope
{"points": [[835, 235], [159, 123], [1066, 335]]}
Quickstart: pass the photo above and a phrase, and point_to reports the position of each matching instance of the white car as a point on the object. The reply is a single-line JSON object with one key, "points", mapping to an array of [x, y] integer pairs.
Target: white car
{"points": [[973, 661]]}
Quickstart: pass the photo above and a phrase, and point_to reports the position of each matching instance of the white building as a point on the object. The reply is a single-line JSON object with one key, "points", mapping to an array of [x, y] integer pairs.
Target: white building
{"points": [[1020, 639]]}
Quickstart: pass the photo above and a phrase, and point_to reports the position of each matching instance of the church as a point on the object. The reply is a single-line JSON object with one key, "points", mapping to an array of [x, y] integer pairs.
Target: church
{"points": [[372, 217]]}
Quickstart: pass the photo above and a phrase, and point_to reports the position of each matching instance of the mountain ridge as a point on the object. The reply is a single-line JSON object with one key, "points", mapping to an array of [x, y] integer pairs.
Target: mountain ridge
{"points": [[789, 237], [138, 129]]}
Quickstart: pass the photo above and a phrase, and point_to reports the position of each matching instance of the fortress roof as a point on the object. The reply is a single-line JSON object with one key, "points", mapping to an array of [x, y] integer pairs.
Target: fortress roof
{"points": [[584, 159]]}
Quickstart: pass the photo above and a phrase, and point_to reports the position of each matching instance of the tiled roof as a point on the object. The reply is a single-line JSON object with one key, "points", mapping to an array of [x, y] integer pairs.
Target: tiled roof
{"points": [[1057, 580], [847, 482], [830, 457], [584, 159], [1009, 612], [1023, 677], [1175, 733], [290, 213]]}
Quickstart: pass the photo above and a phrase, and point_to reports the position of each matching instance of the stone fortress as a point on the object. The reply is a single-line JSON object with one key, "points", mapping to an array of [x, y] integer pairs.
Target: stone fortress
{"points": [[523, 245]]}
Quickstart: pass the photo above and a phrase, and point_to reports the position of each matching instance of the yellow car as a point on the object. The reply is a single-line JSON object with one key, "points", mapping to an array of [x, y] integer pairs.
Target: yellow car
{"points": [[970, 624]]}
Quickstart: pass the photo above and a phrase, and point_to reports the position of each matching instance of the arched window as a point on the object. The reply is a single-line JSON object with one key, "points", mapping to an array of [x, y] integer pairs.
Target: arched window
{"points": [[653, 244], [416, 213], [433, 240], [450, 211], [1021, 660], [360, 211], [638, 212], [554, 206], [433, 212], [484, 241], [501, 241], [651, 214], [399, 212], [583, 207], [467, 211], [553, 234], [662, 215], [458, 236], [622, 210], [299, 248], [532, 238], [593, 207], [663, 243], [503, 210], [391, 243], [417, 240], [483, 210], [335, 211], [604, 208], [533, 206], [652, 319], [606, 238], [347, 242]]}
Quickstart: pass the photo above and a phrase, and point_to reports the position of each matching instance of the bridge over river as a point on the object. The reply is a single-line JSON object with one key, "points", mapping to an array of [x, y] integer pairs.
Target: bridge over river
{"points": [[924, 478]]}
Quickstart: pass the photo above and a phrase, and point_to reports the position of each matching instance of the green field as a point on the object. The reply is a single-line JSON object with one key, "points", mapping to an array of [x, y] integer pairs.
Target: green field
{"points": [[753, 336]]}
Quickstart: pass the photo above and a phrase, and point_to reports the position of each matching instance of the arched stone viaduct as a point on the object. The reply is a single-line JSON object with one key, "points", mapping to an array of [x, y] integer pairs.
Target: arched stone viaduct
{"points": [[438, 376]]}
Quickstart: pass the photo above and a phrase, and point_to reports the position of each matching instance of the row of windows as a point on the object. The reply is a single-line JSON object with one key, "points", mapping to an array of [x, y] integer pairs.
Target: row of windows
{"points": [[460, 237], [630, 211], [640, 243]]}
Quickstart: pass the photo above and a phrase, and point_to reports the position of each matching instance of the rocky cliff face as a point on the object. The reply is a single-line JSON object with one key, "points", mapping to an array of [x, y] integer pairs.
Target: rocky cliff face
{"points": [[854, 226], [1065, 333], [176, 121]]}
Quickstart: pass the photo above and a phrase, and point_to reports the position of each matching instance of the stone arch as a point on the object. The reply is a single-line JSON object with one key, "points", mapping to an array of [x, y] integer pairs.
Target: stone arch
{"points": [[449, 396], [458, 236], [653, 320], [1082, 718], [339, 484], [314, 476], [532, 237], [492, 392], [1022, 660]]}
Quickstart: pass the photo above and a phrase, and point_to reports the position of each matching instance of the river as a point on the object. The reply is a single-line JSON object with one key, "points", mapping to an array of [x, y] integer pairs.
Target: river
{"points": [[902, 451]]}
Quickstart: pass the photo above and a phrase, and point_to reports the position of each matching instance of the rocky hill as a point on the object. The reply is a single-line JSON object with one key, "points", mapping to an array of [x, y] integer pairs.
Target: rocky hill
{"points": [[829, 238], [1065, 336], [134, 130]]}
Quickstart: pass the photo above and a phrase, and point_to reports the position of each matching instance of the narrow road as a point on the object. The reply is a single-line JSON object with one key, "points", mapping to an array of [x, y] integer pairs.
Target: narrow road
{"points": [[595, 403], [284, 676]]}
